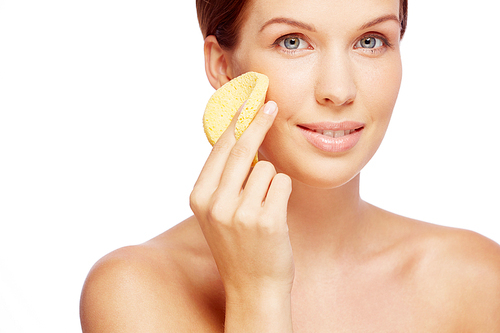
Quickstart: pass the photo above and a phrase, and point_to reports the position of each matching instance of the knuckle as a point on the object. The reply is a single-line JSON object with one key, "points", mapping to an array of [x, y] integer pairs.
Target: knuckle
{"points": [[222, 145], [283, 180], [240, 151], [273, 223], [265, 166], [267, 224], [261, 121], [219, 211], [242, 217], [196, 200]]}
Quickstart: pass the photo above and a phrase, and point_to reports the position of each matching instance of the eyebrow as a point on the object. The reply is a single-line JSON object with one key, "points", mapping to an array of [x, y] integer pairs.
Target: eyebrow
{"points": [[302, 25], [288, 21], [378, 20]]}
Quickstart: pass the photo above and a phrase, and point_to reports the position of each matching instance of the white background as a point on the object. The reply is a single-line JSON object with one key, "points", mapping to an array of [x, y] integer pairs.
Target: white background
{"points": [[101, 137]]}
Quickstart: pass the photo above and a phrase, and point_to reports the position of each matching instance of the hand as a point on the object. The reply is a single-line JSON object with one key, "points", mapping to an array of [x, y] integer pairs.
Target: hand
{"points": [[243, 214]]}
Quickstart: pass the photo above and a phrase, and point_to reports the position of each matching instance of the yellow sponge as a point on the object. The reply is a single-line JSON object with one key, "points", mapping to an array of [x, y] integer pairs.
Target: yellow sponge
{"points": [[225, 102]]}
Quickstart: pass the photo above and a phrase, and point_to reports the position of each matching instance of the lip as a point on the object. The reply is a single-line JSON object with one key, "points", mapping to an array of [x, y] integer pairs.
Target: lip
{"points": [[332, 144]]}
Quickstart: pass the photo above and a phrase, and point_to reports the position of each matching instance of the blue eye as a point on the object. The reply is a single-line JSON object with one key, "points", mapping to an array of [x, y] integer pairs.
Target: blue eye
{"points": [[369, 43], [293, 43]]}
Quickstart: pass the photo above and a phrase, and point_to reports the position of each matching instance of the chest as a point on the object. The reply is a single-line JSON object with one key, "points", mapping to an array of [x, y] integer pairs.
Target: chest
{"points": [[373, 306], [352, 299]]}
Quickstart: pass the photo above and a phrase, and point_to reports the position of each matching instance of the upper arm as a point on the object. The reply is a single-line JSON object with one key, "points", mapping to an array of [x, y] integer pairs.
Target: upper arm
{"points": [[480, 285], [119, 296], [488, 298], [125, 292]]}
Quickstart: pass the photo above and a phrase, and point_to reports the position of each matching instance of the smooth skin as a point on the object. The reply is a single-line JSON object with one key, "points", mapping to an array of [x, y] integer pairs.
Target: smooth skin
{"points": [[289, 245]]}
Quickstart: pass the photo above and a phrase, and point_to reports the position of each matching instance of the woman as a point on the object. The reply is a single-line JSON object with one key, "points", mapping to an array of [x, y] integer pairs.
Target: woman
{"points": [[289, 245]]}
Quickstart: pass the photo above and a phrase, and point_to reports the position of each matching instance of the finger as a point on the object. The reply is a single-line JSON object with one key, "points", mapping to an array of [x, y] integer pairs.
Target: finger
{"points": [[211, 172], [257, 185], [276, 201], [242, 155]]}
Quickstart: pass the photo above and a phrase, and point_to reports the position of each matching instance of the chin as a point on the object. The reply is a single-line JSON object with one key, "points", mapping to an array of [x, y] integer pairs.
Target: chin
{"points": [[324, 181], [321, 173]]}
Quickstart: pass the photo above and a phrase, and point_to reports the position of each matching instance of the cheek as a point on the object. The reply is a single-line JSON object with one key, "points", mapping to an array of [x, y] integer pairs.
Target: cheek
{"points": [[290, 87], [289, 80], [293, 92], [378, 101], [380, 90]]}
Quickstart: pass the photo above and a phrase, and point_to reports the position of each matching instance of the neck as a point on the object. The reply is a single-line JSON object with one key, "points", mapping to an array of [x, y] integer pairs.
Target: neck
{"points": [[326, 220]]}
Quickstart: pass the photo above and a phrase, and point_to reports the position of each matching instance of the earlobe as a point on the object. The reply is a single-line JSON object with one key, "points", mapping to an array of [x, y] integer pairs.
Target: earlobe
{"points": [[216, 66]]}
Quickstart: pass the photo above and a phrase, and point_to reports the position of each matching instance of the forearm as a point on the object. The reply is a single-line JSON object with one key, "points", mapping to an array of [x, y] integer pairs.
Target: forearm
{"points": [[258, 312]]}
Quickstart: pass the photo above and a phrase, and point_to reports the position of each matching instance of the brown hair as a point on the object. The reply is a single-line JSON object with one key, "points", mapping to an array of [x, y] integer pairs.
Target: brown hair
{"points": [[222, 18]]}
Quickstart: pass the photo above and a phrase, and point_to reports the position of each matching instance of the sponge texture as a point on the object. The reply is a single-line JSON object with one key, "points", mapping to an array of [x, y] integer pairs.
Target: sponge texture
{"points": [[225, 102]]}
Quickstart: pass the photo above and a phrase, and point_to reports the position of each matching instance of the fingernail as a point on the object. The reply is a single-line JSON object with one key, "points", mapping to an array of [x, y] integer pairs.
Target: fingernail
{"points": [[270, 108]]}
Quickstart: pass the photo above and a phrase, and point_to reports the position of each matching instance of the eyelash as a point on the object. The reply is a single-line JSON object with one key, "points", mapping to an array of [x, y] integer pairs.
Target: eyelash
{"points": [[285, 50], [384, 40], [385, 43]]}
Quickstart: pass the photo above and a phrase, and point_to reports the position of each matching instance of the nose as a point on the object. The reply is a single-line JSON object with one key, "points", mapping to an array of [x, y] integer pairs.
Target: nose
{"points": [[335, 82]]}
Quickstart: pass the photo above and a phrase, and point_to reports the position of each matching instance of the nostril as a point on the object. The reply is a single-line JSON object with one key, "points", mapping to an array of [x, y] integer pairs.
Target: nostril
{"points": [[335, 86]]}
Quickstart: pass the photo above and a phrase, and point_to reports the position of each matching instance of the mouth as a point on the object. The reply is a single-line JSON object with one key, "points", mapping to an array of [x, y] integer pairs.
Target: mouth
{"points": [[332, 136], [333, 130]]}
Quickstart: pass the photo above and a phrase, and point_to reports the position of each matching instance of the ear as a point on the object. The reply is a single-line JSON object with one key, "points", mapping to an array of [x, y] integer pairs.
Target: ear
{"points": [[216, 63]]}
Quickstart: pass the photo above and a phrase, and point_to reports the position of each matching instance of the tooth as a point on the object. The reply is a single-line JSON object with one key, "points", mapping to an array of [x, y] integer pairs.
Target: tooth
{"points": [[338, 134], [328, 133]]}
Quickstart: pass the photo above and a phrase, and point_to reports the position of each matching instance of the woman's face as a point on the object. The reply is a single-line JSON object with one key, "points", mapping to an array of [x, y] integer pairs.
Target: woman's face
{"points": [[333, 66]]}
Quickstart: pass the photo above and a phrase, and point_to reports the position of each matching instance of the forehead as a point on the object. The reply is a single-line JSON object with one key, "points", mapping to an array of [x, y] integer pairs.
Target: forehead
{"points": [[328, 14]]}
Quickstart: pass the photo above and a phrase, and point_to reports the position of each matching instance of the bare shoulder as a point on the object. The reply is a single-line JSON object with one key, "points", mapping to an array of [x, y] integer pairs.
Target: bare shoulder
{"points": [[460, 270], [473, 261], [453, 250], [157, 286], [470, 264]]}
